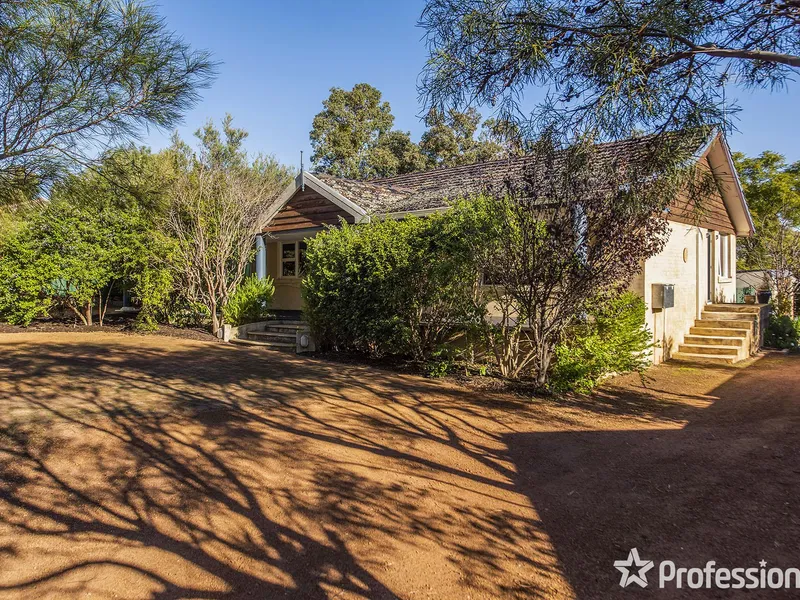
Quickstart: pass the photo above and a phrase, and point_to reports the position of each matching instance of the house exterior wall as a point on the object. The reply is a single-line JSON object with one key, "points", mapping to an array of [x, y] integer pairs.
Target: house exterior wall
{"points": [[669, 325], [684, 263]]}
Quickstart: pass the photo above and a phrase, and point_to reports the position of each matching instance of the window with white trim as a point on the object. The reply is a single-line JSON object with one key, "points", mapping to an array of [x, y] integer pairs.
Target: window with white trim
{"points": [[293, 258], [724, 257]]}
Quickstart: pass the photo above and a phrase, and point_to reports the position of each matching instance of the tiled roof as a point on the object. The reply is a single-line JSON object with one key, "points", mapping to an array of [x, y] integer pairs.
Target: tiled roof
{"points": [[373, 197], [436, 188]]}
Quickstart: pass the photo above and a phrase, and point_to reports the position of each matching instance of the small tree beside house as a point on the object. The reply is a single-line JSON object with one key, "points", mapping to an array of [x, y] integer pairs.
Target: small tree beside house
{"points": [[218, 205]]}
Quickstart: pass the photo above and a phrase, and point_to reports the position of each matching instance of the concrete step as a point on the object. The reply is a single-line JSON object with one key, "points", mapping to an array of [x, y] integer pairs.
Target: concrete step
{"points": [[718, 331], [286, 323], [728, 316], [712, 359], [272, 336], [707, 349], [714, 340], [724, 324], [281, 333], [287, 331], [282, 346], [280, 328], [740, 308]]}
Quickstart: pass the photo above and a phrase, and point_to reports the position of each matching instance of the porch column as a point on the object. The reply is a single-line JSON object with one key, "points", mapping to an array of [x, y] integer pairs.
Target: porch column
{"points": [[261, 258]]}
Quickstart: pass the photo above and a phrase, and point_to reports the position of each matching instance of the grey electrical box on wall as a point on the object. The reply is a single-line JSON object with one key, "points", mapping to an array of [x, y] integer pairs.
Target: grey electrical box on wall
{"points": [[663, 295]]}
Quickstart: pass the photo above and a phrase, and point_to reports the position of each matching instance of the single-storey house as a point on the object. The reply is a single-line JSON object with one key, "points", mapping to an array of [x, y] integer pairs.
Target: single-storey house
{"points": [[699, 260]]}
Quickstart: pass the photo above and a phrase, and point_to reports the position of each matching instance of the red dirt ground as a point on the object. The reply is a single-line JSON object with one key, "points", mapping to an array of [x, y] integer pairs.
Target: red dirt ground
{"points": [[153, 467]]}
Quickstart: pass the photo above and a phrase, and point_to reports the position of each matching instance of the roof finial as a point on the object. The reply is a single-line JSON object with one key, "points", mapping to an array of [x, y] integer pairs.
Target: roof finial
{"points": [[302, 174]]}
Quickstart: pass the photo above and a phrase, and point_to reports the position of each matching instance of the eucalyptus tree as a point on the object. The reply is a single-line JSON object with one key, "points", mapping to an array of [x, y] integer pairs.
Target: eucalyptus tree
{"points": [[349, 129]]}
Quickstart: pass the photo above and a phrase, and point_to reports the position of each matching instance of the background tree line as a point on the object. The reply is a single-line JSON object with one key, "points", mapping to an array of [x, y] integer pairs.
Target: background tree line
{"points": [[352, 137], [772, 188]]}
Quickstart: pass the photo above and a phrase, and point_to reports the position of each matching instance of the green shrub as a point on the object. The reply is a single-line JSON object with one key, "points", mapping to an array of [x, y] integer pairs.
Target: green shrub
{"points": [[782, 332], [249, 302], [24, 277], [185, 313], [387, 287], [611, 339]]}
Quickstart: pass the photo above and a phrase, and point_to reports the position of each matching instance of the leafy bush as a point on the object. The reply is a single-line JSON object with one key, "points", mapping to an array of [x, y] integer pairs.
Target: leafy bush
{"points": [[612, 339], [782, 332], [71, 252], [23, 279], [388, 287], [249, 302], [185, 313]]}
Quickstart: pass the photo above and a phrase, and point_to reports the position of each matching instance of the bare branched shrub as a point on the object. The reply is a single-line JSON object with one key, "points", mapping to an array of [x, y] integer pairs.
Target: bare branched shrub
{"points": [[219, 205], [580, 224]]}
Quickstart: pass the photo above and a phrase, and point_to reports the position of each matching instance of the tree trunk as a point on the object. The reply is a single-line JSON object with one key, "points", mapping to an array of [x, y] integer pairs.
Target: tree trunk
{"points": [[214, 319], [545, 355], [88, 314], [103, 304]]}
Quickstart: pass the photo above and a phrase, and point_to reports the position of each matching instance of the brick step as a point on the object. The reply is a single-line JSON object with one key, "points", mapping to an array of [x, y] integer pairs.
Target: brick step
{"points": [[714, 340], [282, 346], [707, 349], [718, 331], [724, 324], [740, 308], [712, 359], [728, 316]]}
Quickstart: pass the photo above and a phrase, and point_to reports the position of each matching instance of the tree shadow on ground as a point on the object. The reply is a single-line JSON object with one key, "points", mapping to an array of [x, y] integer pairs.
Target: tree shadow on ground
{"points": [[146, 468], [723, 487], [208, 472]]}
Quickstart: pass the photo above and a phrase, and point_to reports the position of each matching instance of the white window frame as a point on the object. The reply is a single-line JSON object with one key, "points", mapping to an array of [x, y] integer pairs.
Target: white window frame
{"points": [[724, 258], [296, 260]]}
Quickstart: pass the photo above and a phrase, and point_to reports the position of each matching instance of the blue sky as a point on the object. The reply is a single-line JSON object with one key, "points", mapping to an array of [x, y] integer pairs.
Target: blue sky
{"points": [[279, 60]]}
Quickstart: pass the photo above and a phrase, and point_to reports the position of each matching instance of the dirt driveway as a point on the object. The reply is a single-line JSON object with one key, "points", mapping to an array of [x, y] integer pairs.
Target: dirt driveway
{"points": [[148, 467]]}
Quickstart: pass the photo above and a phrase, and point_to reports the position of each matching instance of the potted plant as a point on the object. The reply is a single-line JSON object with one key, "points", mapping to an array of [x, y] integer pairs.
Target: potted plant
{"points": [[749, 295]]}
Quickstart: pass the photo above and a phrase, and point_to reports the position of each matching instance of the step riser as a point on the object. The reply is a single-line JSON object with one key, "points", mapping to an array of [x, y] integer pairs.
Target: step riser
{"points": [[724, 324], [268, 345], [719, 332], [283, 330], [716, 350], [737, 308], [273, 339], [699, 340], [289, 335], [711, 360], [728, 316]]}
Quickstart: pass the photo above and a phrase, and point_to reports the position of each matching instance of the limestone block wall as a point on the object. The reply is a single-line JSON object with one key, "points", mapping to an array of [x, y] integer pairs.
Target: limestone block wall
{"points": [[678, 265]]}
